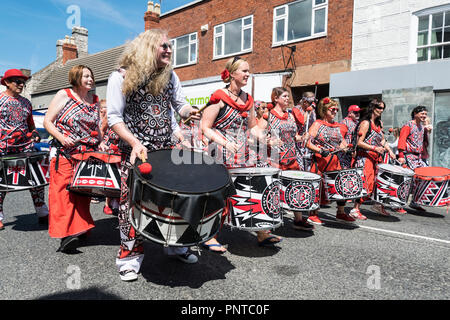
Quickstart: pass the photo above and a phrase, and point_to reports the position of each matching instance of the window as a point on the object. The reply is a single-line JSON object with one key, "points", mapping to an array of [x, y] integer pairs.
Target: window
{"points": [[433, 36], [233, 37], [300, 20], [184, 50]]}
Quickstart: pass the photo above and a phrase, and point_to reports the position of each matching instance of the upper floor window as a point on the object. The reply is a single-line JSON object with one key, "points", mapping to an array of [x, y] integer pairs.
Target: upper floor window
{"points": [[299, 20], [184, 50], [233, 37], [433, 37]]}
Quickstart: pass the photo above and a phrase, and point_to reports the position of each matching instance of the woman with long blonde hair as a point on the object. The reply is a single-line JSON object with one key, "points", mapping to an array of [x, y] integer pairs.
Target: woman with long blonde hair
{"points": [[142, 95]]}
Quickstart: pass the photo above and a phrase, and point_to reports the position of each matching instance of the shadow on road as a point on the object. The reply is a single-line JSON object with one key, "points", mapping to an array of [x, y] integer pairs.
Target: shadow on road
{"points": [[161, 269], [93, 293]]}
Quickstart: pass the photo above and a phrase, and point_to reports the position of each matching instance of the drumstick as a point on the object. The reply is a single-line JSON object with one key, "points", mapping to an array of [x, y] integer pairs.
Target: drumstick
{"points": [[186, 121], [308, 110], [93, 135]]}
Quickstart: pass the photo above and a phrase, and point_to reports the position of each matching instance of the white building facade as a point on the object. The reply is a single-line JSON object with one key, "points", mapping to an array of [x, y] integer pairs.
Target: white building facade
{"points": [[401, 54]]}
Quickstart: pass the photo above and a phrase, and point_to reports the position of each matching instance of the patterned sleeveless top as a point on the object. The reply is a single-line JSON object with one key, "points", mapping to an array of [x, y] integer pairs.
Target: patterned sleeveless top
{"points": [[373, 137], [232, 124], [414, 141], [284, 128], [15, 116], [148, 118], [329, 136], [77, 120], [350, 137]]}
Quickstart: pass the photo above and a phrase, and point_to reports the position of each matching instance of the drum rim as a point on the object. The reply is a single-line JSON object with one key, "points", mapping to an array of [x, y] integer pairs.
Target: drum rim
{"points": [[407, 171], [31, 154], [348, 169], [318, 177], [275, 171]]}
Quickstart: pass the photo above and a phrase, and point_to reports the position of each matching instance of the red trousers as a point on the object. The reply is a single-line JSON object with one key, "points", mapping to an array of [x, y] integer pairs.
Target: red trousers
{"points": [[69, 213]]}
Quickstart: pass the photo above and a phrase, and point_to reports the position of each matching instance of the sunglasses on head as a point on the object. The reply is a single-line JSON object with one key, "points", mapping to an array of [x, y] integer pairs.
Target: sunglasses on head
{"points": [[236, 59], [166, 45]]}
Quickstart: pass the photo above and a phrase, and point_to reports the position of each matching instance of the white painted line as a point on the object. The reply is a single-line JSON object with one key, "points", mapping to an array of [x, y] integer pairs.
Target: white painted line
{"points": [[394, 232]]}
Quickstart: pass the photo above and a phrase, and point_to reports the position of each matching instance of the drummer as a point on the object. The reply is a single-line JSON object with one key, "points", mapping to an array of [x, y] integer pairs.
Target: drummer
{"points": [[411, 143], [148, 56], [282, 128], [16, 117], [327, 136], [227, 123], [350, 122], [305, 115], [73, 114], [371, 146], [111, 140]]}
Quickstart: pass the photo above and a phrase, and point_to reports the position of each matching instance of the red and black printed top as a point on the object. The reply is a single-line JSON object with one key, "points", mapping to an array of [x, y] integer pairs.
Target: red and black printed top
{"points": [[351, 128], [373, 137], [16, 120], [77, 120], [285, 128], [328, 136], [411, 138], [232, 124]]}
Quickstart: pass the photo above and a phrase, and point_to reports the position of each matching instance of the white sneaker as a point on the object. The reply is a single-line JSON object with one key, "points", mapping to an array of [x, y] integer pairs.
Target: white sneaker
{"points": [[128, 275], [356, 214], [187, 257]]}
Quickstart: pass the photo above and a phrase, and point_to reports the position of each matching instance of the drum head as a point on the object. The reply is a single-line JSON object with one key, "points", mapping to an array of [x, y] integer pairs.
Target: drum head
{"points": [[254, 171], [396, 169], [300, 175], [23, 155], [432, 173], [184, 171]]}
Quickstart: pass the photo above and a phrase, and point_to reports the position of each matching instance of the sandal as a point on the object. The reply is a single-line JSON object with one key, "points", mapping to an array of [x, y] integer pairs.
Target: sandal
{"points": [[214, 245], [267, 242]]}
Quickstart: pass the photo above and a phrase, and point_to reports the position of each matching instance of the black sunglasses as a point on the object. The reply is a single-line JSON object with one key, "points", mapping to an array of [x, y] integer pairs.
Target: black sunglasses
{"points": [[166, 45], [380, 107], [18, 81]]}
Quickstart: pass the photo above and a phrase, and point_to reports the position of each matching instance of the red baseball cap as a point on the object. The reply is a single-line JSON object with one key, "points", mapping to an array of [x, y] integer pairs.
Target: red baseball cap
{"points": [[353, 107], [13, 73]]}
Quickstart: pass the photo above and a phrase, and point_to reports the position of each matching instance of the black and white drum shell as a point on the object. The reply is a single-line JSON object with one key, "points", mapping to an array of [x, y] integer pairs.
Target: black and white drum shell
{"points": [[24, 171], [256, 204], [94, 177], [392, 185], [179, 204], [300, 190], [345, 184]]}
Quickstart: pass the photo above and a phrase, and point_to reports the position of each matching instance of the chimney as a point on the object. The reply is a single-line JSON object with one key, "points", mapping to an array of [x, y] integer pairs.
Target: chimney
{"points": [[26, 72], [59, 49], [151, 17], [69, 49], [80, 35]]}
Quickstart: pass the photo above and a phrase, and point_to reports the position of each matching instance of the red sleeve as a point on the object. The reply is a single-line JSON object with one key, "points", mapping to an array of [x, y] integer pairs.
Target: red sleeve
{"points": [[298, 116], [344, 130], [404, 133]]}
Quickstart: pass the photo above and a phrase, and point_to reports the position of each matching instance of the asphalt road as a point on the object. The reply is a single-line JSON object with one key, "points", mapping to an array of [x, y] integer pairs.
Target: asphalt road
{"points": [[403, 257]]}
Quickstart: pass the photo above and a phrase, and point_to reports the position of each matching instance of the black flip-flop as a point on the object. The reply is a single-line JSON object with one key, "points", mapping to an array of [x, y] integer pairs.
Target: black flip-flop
{"points": [[208, 246], [267, 242]]}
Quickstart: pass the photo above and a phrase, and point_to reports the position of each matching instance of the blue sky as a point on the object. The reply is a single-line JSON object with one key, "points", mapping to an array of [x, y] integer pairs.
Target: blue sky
{"points": [[29, 29]]}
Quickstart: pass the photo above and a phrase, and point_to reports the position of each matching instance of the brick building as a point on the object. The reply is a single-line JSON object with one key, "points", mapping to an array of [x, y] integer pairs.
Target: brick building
{"points": [[292, 43]]}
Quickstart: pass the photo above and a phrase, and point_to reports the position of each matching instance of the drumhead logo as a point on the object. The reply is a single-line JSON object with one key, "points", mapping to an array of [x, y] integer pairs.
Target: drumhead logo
{"points": [[300, 195], [348, 183], [270, 201], [403, 190]]}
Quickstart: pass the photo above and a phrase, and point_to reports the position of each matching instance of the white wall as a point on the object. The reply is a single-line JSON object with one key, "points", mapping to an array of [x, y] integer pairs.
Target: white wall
{"points": [[384, 32]]}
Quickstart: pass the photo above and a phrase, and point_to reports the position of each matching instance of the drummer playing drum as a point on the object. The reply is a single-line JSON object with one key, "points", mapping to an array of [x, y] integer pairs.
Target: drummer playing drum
{"points": [[411, 143], [16, 124]]}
